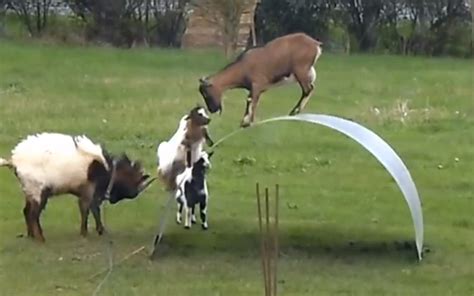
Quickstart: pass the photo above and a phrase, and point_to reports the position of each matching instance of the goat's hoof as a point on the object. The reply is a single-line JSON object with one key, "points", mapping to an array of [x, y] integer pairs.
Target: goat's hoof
{"points": [[205, 226], [40, 239], [100, 231], [245, 124], [83, 233], [187, 227], [294, 112]]}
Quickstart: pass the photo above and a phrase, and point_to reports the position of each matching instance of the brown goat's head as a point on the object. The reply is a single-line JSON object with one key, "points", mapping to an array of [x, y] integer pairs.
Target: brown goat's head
{"points": [[211, 95], [198, 116], [128, 182]]}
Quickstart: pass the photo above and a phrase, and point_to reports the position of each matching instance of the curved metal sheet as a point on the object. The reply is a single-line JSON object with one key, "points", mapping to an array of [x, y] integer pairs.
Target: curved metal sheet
{"points": [[378, 148]]}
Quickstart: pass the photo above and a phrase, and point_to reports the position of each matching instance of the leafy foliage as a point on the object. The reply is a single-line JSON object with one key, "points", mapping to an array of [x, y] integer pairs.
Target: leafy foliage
{"points": [[408, 27]]}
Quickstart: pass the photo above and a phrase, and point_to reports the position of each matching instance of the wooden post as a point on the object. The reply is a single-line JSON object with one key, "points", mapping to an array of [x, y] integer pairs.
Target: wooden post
{"points": [[268, 241]]}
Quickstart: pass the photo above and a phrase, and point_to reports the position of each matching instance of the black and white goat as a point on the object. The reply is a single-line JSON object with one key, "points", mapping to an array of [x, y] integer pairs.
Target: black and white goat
{"points": [[51, 164], [193, 190]]}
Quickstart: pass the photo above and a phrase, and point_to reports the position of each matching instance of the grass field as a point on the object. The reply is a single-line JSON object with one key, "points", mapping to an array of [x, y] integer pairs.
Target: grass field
{"points": [[342, 216]]}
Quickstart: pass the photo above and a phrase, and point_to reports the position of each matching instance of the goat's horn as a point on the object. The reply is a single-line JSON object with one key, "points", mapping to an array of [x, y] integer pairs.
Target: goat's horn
{"points": [[144, 185]]}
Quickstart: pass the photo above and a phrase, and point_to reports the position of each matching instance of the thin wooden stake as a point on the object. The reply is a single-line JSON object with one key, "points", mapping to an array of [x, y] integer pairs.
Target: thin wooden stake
{"points": [[269, 240], [275, 240], [262, 239], [267, 244]]}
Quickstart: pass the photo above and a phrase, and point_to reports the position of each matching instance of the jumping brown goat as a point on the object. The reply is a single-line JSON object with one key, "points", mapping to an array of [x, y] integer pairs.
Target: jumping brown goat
{"points": [[281, 60]]}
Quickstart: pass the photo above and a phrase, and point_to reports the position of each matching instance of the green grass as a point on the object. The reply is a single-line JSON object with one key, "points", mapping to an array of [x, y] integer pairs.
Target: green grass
{"points": [[341, 238]]}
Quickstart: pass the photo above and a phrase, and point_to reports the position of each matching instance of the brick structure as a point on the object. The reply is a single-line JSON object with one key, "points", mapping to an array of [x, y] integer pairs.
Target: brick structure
{"points": [[202, 33]]}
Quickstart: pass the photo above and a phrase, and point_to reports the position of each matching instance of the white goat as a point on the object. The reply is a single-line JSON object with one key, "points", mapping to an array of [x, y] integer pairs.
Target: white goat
{"points": [[50, 164], [184, 147]]}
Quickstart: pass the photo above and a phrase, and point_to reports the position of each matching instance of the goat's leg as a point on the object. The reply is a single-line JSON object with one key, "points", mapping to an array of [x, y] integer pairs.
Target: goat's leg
{"points": [[305, 81], [180, 210], [84, 209], [34, 215], [189, 157], [193, 216], [203, 212], [95, 209], [251, 108], [26, 213], [187, 217]]}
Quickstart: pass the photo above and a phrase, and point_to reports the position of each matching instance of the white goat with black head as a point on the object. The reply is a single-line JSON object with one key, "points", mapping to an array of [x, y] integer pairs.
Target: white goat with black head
{"points": [[193, 190], [184, 147], [51, 164]]}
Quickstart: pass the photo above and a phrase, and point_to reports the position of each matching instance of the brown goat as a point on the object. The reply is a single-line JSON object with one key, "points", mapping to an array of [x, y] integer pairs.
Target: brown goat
{"points": [[283, 59]]}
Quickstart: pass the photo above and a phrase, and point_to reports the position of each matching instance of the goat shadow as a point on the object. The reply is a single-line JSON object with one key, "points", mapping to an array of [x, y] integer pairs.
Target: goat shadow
{"points": [[306, 243]]}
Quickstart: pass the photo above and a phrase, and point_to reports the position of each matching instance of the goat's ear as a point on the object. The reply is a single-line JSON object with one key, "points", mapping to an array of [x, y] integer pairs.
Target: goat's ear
{"points": [[187, 117]]}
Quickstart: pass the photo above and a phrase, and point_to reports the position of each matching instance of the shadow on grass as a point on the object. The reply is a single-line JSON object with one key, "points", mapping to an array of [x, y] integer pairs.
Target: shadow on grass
{"points": [[323, 242], [300, 244]]}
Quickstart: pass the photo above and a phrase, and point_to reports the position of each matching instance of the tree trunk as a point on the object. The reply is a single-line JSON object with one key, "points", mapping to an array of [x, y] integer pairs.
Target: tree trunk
{"points": [[38, 17]]}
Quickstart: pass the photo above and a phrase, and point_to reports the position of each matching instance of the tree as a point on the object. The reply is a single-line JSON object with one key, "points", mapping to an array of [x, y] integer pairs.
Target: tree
{"points": [[226, 14], [362, 19], [3, 13], [33, 13]]}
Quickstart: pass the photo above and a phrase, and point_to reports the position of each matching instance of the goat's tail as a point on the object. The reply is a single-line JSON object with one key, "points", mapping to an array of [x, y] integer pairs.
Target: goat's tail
{"points": [[4, 162], [86, 146]]}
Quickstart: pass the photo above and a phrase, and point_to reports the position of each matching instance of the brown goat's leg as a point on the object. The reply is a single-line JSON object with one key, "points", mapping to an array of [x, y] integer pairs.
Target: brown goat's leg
{"points": [[248, 102], [301, 103], [84, 205], [306, 83], [250, 109]]}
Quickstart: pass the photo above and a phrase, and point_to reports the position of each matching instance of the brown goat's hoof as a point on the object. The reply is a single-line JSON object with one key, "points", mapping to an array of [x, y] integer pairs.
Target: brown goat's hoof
{"points": [[294, 112], [100, 231]]}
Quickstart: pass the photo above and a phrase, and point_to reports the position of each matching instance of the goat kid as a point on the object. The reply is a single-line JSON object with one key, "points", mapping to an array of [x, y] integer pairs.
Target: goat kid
{"points": [[285, 59], [184, 147], [50, 164], [193, 190]]}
